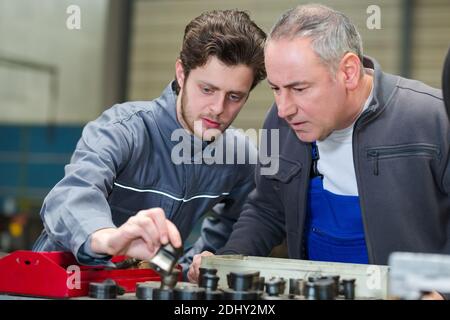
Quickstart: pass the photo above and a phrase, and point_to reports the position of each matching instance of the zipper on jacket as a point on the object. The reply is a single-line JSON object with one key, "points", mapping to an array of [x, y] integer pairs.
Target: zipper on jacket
{"points": [[304, 252], [401, 151], [365, 117], [374, 154]]}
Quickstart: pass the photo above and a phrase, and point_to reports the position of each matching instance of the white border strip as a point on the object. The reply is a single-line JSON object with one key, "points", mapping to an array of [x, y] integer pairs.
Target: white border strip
{"points": [[169, 195]]}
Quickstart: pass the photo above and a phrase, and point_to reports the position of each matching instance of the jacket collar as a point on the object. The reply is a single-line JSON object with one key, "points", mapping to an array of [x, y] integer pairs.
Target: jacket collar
{"points": [[165, 111], [384, 85]]}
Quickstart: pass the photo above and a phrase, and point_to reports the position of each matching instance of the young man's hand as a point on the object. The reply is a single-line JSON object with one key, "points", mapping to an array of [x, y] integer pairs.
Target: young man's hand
{"points": [[140, 237], [193, 272]]}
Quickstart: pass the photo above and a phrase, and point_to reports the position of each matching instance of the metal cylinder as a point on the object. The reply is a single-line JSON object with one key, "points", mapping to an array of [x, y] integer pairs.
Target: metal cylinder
{"points": [[348, 286], [202, 272], [209, 282], [243, 281], [297, 287], [325, 289], [311, 291], [189, 293]]}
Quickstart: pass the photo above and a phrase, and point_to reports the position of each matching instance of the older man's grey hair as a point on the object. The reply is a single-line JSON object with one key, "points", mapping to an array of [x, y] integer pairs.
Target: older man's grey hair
{"points": [[331, 32]]}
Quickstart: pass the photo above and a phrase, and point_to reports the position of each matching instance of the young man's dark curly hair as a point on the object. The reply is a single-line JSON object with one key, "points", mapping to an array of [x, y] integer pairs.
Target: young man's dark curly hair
{"points": [[229, 35]]}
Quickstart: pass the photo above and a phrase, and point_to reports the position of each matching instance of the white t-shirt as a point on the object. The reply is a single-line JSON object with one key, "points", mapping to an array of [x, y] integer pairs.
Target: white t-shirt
{"points": [[336, 158]]}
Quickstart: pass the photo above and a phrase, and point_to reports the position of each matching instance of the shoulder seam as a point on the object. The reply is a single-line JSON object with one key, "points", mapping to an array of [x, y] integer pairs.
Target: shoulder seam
{"points": [[128, 117], [426, 93]]}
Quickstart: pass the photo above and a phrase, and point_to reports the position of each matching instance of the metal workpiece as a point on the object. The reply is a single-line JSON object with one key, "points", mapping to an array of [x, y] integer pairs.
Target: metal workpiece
{"points": [[230, 294], [163, 262], [297, 287], [336, 284], [329, 288], [209, 275], [207, 271], [163, 294], [107, 289], [243, 281], [165, 259], [325, 289], [261, 283], [144, 291], [214, 295], [209, 282], [242, 287], [221, 278], [370, 281], [275, 286], [348, 288], [169, 280], [189, 293]]}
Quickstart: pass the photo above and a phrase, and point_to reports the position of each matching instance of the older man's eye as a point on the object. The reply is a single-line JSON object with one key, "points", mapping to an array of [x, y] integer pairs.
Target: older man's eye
{"points": [[206, 90], [276, 91]]}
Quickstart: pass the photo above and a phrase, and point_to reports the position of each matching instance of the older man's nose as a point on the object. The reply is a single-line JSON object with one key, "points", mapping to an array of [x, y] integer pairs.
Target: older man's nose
{"points": [[285, 106]]}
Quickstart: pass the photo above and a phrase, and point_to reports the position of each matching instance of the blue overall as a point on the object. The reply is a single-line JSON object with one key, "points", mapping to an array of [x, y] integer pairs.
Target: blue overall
{"points": [[334, 229]]}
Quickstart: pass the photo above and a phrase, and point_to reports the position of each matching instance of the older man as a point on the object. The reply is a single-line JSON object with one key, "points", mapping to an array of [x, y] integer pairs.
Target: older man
{"points": [[364, 155]]}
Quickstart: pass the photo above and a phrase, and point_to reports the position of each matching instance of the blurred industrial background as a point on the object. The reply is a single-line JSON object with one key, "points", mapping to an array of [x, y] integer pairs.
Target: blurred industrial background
{"points": [[54, 79]]}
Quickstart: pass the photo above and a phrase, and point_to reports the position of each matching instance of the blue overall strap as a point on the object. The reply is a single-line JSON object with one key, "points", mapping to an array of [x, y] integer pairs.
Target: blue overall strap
{"points": [[315, 158], [333, 228]]}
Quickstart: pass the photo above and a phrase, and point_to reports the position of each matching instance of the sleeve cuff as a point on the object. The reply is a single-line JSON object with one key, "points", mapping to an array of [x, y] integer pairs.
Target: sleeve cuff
{"points": [[86, 256]]}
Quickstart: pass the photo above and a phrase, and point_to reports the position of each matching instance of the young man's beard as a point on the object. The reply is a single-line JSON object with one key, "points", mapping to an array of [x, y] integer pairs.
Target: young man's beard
{"points": [[191, 126], [184, 115]]}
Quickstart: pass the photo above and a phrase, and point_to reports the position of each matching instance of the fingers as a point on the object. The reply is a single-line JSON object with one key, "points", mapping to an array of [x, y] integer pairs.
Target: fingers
{"points": [[165, 229], [153, 222], [159, 220], [174, 234], [194, 268], [134, 229], [152, 227], [144, 228]]}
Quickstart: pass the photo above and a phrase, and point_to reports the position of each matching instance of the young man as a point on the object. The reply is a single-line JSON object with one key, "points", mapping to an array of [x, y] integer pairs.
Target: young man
{"points": [[364, 155], [126, 192]]}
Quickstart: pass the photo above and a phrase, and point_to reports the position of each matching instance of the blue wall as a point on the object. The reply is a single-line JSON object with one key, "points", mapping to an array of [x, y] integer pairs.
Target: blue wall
{"points": [[32, 158]]}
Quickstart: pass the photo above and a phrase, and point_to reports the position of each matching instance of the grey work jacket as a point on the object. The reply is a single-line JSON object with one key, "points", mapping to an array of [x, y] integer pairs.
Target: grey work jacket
{"points": [[123, 163]]}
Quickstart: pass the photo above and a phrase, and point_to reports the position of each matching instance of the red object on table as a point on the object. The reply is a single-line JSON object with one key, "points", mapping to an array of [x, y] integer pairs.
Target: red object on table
{"points": [[58, 275]]}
